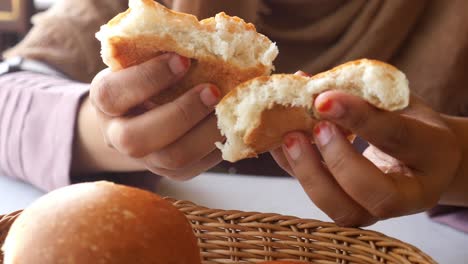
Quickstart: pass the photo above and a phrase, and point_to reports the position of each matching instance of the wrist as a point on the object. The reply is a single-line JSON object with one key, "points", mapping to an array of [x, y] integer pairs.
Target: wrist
{"points": [[91, 154]]}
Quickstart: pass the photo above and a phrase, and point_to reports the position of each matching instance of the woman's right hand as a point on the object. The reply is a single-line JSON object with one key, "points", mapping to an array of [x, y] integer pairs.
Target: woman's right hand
{"points": [[176, 139], [414, 162]]}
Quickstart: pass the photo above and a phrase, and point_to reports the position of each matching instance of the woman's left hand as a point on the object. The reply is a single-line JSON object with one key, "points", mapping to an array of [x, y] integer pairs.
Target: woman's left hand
{"points": [[412, 160]]}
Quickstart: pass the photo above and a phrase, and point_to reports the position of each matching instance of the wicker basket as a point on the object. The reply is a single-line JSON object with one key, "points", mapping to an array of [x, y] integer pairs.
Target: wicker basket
{"points": [[249, 237]]}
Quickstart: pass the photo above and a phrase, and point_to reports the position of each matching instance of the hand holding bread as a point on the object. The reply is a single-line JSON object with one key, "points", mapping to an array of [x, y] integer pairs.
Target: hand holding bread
{"points": [[158, 137], [167, 71], [412, 160], [260, 112], [256, 115], [226, 50]]}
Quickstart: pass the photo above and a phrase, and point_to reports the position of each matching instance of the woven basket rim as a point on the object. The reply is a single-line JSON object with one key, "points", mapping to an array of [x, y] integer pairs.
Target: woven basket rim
{"points": [[230, 236]]}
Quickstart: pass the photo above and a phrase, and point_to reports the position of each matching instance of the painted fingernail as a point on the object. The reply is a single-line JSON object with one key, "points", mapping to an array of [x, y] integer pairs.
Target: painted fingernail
{"points": [[292, 147], [323, 133], [301, 73], [330, 108], [210, 95], [178, 64]]}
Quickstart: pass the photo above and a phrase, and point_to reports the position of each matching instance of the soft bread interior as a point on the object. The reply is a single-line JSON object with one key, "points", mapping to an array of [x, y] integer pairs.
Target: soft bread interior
{"points": [[224, 37], [239, 113]]}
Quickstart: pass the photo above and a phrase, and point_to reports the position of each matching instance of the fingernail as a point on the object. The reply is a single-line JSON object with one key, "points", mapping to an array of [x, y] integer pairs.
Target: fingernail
{"points": [[210, 95], [178, 64], [331, 108], [323, 133], [292, 147], [301, 73]]}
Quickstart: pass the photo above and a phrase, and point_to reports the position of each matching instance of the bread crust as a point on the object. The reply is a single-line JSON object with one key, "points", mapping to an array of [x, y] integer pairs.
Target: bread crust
{"points": [[278, 119], [123, 51], [132, 51], [104, 223], [205, 24], [388, 67]]}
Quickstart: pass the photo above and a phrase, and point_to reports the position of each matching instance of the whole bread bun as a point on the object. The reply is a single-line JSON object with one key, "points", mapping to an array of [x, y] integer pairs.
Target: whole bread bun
{"points": [[256, 115], [226, 50], [101, 223]]}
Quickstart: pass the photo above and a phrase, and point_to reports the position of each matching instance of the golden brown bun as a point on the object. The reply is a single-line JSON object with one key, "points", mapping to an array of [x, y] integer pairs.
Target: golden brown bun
{"points": [[101, 223], [256, 115], [227, 51]]}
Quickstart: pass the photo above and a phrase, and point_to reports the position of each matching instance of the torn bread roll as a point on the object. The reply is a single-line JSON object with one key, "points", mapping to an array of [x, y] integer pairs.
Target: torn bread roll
{"points": [[256, 115], [226, 51]]}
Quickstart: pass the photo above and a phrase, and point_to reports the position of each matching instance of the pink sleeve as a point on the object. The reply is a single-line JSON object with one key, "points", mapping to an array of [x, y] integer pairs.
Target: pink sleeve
{"points": [[453, 216], [37, 122]]}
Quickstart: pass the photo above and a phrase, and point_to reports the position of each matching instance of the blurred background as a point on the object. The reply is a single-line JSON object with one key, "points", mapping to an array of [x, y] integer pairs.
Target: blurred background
{"points": [[15, 19]]}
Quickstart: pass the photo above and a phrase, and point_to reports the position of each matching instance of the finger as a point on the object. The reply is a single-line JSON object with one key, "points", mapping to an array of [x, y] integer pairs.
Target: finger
{"points": [[319, 185], [141, 135], [192, 171], [403, 137], [385, 162], [115, 93], [381, 195], [103, 123], [281, 160], [189, 149]]}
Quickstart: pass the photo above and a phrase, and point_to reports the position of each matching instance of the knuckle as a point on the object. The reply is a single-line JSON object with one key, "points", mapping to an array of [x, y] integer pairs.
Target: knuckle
{"points": [[352, 218], [124, 139], [337, 163], [185, 176], [102, 95], [177, 175], [169, 159], [153, 75], [181, 111], [147, 74], [192, 104], [359, 120], [385, 207], [348, 222], [396, 138], [174, 159], [382, 212]]}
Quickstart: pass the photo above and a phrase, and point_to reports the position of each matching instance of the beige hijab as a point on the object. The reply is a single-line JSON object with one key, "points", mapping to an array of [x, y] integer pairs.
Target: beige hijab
{"points": [[316, 34], [427, 39]]}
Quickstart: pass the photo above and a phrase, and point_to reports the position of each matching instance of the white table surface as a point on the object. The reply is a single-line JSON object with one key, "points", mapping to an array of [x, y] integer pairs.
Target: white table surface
{"points": [[274, 195]]}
